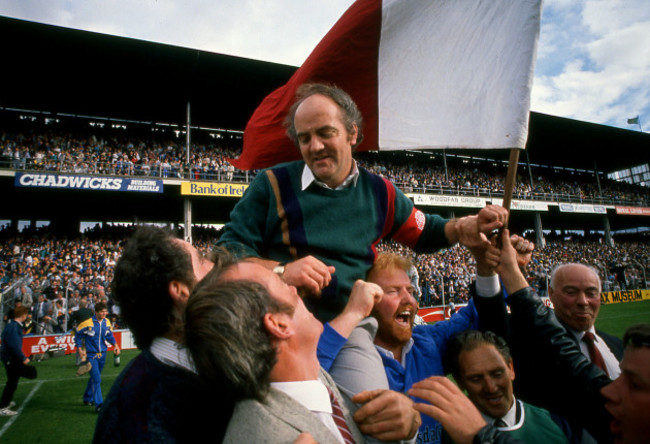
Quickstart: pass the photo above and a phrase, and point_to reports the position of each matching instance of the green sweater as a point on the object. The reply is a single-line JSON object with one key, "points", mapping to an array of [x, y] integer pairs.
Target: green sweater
{"points": [[277, 220], [535, 425]]}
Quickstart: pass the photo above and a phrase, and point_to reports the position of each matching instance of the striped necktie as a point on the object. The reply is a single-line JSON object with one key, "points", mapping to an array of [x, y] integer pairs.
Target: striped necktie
{"points": [[339, 419], [594, 353]]}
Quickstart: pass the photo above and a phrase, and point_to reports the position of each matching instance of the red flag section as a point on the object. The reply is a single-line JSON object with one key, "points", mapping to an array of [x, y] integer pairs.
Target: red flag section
{"points": [[346, 57]]}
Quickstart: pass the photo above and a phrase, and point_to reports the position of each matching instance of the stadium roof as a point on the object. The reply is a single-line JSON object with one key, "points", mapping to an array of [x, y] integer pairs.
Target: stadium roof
{"points": [[61, 70]]}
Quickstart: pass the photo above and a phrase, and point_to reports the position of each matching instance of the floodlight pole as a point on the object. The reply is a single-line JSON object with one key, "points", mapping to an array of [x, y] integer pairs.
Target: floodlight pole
{"points": [[187, 203]]}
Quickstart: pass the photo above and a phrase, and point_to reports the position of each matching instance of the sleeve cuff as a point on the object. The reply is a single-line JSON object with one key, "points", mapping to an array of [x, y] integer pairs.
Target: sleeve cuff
{"points": [[487, 286]]}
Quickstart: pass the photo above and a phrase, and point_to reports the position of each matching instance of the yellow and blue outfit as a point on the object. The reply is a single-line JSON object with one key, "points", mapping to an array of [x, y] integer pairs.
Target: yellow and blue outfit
{"points": [[96, 334]]}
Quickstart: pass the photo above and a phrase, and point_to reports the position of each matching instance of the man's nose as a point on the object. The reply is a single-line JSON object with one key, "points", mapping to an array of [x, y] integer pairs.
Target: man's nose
{"points": [[408, 298], [581, 299], [490, 385], [316, 144]]}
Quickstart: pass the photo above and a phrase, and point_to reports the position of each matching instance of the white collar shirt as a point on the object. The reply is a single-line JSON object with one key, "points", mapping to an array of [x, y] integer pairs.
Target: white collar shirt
{"points": [[405, 351], [612, 364], [308, 178], [171, 353], [313, 395], [510, 418]]}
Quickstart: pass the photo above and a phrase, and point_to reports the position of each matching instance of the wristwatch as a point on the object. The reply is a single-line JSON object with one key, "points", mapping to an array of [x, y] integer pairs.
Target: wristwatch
{"points": [[279, 269]]}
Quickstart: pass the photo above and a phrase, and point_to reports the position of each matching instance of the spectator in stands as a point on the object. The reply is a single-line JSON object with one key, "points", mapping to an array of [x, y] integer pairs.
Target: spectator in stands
{"points": [[91, 338], [15, 362], [324, 193], [158, 397], [59, 316], [41, 309], [481, 364], [28, 325], [274, 366], [46, 326], [54, 289], [25, 297]]}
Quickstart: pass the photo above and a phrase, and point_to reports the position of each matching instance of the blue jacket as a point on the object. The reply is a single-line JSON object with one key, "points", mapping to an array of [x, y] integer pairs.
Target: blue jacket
{"points": [[12, 342], [96, 334], [424, 359]]}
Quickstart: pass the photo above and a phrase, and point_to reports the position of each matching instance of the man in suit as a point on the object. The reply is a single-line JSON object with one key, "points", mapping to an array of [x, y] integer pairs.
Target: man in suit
{"points": [[246, 323], [41, 309], [574, 291]]}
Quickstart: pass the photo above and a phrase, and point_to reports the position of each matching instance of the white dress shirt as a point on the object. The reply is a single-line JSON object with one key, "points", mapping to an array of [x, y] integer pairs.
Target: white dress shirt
{"points": [[509, 418], [314, 397], [612, 364], [308, 178], [171, 353]]}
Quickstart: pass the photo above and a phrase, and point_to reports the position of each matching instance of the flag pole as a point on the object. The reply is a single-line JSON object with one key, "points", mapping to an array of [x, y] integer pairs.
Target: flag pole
{"points": [[510, 180]]}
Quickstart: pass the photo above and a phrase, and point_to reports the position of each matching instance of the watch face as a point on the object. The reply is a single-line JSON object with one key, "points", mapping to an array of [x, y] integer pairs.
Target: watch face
{"points": [[279, 269]]}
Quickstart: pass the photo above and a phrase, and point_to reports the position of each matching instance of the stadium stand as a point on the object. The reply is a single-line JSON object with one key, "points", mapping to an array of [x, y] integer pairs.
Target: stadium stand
{"points": [[103, 152]]}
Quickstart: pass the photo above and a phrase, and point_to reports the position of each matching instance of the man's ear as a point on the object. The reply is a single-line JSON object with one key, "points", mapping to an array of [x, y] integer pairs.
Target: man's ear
{"points": [[511, 369], [179, 292], [278, 325], [353, 134]]}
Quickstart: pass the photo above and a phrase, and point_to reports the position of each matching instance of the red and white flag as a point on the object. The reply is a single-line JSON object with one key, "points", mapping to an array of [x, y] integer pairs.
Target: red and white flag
{"points": [[424, 73]]}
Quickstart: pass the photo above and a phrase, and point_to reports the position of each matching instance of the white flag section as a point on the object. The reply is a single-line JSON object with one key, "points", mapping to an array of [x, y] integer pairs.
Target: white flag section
{"points": [[456, 73]]}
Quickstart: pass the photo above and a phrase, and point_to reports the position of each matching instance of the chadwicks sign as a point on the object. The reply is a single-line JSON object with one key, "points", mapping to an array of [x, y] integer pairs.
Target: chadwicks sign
{"points": [[70, 181]]}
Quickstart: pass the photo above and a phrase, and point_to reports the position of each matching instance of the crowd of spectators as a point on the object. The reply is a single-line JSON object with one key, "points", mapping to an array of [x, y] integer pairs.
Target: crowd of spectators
{"points": [[54, 277], [118, 156], [485, 178], [166, 157], [445, 276], [37, 266]]}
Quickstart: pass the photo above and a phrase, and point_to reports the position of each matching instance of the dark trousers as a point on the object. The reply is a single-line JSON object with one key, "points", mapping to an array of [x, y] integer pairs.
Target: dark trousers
{"points": [[13, 374]]}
